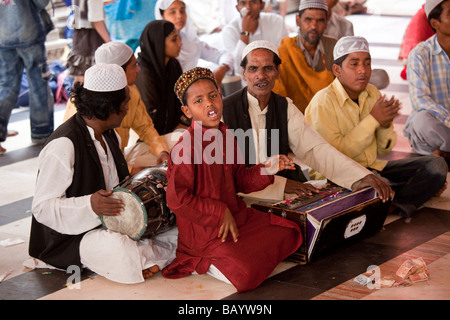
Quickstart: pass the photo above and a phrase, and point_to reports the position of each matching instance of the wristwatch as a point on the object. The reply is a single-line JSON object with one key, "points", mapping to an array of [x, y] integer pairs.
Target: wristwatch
{"points": [[245, 33]]}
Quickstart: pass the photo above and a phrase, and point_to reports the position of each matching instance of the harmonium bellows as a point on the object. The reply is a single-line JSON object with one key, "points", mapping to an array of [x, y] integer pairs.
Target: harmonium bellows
{"points": [[330, 218]]}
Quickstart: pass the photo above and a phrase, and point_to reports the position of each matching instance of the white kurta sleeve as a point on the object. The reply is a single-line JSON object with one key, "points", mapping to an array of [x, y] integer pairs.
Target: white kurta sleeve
{"points": [[50, 205]]}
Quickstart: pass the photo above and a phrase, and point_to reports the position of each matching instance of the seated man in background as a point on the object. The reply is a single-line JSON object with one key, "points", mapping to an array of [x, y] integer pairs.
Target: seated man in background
{"points": [[258, 109], [356, 119], [251, 24], [428, 125], [307, 57]]}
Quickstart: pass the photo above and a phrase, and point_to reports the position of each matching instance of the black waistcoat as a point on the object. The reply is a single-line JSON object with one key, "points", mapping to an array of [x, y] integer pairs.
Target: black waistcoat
{"points": [[236, 116], [48, 245]]}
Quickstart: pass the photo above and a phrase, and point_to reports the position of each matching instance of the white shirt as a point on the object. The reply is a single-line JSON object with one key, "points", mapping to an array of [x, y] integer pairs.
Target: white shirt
{"points": [[194, 49], [50, 205], [271, 27], [95, 12], [110, 254]]}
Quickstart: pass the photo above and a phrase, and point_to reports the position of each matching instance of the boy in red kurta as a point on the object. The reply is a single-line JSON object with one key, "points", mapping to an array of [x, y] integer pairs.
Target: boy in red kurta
{"points": [[204, 175]]}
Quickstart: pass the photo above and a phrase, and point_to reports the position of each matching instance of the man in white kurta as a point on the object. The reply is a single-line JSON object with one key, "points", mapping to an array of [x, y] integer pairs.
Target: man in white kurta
{"points": [[304, 142], [110, 254]]}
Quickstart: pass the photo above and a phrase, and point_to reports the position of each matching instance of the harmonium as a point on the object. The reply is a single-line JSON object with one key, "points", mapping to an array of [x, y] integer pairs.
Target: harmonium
{"points": [[333, 217]]}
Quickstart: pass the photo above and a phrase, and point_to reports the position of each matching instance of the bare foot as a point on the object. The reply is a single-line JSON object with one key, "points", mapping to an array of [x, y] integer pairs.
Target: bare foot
{"points": [[149, 272], [10, 133]]}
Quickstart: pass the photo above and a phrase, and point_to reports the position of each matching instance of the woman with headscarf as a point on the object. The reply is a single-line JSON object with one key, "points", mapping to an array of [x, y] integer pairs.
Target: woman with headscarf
{"points": [[160, 44], [193, 49]]}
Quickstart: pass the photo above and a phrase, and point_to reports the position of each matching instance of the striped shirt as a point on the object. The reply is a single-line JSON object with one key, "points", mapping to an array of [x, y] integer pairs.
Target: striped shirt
{"points": [[429, 81]]}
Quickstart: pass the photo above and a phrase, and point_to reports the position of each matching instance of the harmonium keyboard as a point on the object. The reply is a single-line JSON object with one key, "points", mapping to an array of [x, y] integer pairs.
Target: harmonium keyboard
{"points": [[333, 217]]}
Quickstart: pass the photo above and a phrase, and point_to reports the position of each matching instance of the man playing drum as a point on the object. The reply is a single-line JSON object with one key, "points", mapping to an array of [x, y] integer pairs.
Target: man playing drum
{"points": [[79, 167]]}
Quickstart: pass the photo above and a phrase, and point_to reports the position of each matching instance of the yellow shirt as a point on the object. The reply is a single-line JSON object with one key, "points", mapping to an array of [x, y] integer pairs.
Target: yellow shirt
{"points": [[348, 126], [137, 119]]}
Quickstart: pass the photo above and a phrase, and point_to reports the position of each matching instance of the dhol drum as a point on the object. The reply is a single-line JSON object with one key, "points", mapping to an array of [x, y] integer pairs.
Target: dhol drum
{"points": [[146, 213]]}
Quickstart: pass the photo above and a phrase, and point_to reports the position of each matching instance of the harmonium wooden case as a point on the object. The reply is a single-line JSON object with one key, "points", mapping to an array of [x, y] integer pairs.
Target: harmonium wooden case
{"points": [[333, 217]]}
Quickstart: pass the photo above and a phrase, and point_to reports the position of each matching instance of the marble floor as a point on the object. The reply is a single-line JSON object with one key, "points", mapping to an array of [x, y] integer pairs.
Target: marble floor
{"points": [[327, 277]]}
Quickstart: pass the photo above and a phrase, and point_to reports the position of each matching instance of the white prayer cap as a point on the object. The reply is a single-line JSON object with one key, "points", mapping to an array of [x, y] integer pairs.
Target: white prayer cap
{"points": [[349, 44], [164, 4], [313, 4], [114, 52], [430, 5], [259, 44], [104, 77]]}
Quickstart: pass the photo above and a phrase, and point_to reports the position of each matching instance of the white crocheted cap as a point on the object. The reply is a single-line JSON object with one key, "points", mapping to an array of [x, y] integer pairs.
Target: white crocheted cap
{"points": [[349, 44], [313, 4], [164, 4], [104, 77], [113, 52], [430, 5], [259, 44]]}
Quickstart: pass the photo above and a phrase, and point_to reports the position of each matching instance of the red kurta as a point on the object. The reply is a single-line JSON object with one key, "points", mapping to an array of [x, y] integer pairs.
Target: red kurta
{"points": [[198, 195]]}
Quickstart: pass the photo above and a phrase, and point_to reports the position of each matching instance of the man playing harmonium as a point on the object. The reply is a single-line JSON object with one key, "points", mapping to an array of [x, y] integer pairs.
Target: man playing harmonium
{"points": [[258, 109]]}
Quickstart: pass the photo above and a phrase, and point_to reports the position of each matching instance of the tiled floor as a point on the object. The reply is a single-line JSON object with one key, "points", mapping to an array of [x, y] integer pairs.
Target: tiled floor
{"points": [[328, 277]]}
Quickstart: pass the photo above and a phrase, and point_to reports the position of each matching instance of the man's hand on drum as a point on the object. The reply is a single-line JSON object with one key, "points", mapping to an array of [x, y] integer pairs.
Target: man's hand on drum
{"points": [[103, 205], [383, 189], [163, 156]]}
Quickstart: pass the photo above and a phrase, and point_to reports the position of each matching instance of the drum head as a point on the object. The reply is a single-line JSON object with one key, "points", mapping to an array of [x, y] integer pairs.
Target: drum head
{"points": [[133, 220]]}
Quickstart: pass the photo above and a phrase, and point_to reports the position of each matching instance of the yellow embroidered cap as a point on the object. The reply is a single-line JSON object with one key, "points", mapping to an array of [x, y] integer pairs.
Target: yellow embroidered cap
{"points": [[189, 77]]}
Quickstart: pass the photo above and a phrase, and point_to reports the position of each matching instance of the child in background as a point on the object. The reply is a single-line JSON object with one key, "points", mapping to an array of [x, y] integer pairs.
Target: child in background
{"points": [[159, 46], [193, 49]]}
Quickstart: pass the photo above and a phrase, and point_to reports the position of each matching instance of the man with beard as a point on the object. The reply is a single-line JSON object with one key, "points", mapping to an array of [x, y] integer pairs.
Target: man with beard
{"points": [[308, 57], [276, 126]]}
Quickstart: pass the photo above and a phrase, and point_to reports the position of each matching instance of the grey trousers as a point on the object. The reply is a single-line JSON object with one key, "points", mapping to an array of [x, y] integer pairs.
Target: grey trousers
{"points": [[428, 134]]}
